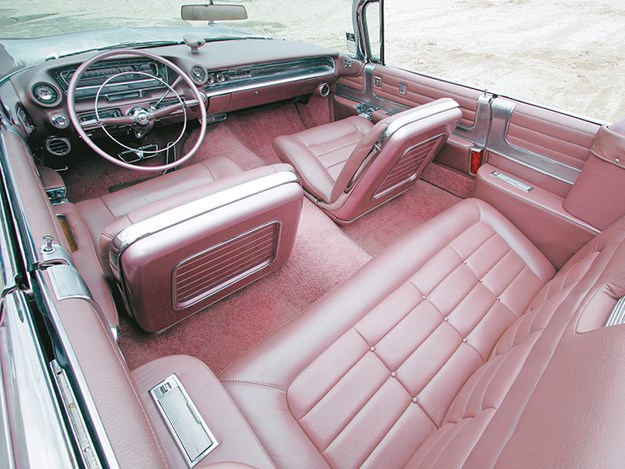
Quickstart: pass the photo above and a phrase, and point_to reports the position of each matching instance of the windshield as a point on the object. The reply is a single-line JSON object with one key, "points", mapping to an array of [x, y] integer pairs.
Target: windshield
{"points": [[27, 26], [321, 22]]}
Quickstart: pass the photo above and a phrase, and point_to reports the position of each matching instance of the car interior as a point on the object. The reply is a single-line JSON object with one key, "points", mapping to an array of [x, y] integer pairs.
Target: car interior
{"points": [[263, 253]]}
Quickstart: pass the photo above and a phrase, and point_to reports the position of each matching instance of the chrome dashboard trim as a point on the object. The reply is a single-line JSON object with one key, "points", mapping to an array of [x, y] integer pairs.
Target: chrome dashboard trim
{"points": [[498, 143], [225, 89], [83, 388], [169, 218]]}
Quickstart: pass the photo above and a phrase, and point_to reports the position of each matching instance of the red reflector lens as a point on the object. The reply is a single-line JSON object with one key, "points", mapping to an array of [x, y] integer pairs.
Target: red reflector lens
{"points": [[476, 159]]}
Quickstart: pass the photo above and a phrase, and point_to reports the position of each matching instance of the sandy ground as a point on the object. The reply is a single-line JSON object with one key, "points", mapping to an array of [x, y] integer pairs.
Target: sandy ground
{"points": [[564, 54]]}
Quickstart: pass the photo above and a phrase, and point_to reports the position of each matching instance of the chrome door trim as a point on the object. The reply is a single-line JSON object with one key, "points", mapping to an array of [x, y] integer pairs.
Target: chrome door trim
{"points": [[498, 143], [92, 415], [44, 441]]}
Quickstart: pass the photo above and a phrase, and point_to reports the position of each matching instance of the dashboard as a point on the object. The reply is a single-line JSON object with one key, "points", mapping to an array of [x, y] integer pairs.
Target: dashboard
{"points": [[232, 75]]}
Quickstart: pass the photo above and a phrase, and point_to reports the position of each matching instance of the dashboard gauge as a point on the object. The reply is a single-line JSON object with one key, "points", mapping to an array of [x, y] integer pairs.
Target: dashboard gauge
{"points": [[46, 94], [199, 75]]}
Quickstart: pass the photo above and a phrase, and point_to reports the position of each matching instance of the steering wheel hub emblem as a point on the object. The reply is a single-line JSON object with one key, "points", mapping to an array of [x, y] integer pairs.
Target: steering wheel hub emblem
{"points": [[141, 115]]}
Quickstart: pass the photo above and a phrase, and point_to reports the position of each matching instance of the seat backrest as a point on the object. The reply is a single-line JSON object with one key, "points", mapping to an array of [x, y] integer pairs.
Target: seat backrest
{"points": [[391, 156], [178, 261]]}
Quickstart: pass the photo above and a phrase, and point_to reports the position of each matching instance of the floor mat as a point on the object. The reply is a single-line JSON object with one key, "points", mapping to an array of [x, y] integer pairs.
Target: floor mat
{"points": [[322, 258]]}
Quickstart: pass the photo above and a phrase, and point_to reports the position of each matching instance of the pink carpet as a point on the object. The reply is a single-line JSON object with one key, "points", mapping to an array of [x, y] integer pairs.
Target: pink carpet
{"points": [[324, 254], [383, 226], [322, 258], [452, 181]]}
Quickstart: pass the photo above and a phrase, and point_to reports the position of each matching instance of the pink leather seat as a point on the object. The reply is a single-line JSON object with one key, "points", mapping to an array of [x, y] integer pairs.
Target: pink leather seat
{"points": [[457, 346], [351, 166], [178, 243], [101, 212]]}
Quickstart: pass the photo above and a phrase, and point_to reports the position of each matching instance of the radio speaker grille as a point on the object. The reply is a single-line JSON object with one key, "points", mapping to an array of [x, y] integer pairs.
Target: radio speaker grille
{"points": [[214, 269]]}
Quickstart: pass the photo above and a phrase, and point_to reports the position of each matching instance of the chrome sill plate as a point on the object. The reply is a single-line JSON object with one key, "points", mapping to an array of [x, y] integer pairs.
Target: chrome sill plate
{"points": [[76, 420], [187, 427]]}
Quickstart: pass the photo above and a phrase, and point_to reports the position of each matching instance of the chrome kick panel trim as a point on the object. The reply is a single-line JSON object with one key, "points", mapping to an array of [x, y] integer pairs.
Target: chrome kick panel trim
{"points": [[512, 181], [67, 283], [185, 423], [497, 143], [617, 316]]}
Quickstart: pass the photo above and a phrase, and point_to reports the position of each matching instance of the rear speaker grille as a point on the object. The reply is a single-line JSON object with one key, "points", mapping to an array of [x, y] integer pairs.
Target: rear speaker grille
{"points": [[409, 166], [214, 269], [58, 146]]}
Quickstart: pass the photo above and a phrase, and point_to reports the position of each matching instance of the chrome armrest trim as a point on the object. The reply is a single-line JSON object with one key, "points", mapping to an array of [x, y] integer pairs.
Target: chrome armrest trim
{"points": [[178, 215], [498, 143]]}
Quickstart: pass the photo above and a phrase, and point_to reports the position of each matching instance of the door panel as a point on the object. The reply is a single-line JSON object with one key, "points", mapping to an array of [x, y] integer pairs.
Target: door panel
{"points": [[350, 73], [546, 147], [353, 82], [411, 89], [545, 150], [561, 138], [387, 90]]}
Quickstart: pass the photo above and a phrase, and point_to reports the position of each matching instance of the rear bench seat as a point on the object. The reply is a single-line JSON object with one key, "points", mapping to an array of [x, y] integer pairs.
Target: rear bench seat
{"points": [[459, 345]]}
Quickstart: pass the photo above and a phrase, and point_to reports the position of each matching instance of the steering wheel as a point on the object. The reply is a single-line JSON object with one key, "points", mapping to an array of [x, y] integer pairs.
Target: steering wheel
{"points": [[140, 118]]}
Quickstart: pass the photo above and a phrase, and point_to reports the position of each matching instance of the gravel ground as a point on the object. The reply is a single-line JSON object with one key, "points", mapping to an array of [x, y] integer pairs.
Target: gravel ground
{"points": [[564, 54]]}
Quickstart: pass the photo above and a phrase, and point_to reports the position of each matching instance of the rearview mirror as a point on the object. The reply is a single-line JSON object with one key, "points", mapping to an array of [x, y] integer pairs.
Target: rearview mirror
{"points": [[213, 12]]}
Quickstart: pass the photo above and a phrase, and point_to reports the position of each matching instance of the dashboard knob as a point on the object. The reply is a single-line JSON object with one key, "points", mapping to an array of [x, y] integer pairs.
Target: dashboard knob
{"points": [[60, 121], [220, 77], [211, 79]]}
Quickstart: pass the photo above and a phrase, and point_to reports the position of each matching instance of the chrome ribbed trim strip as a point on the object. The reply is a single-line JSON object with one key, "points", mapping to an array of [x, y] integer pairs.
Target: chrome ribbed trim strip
{"points": [[617, 316]]}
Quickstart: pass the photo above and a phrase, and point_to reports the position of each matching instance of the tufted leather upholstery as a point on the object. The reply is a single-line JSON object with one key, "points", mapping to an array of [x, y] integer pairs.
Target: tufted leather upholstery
{"points": [[351, 166], [430, 354]]}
